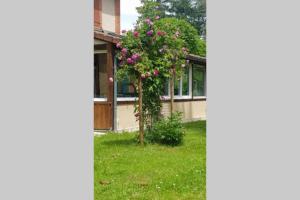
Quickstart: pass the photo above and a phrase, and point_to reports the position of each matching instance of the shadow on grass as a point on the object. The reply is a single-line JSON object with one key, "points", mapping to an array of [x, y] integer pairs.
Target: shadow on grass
{"points": [[121, 142]]}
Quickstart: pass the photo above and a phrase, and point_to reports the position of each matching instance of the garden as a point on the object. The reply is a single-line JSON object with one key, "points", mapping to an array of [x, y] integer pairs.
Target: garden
{"points": [[166, 158], [123, 169]]}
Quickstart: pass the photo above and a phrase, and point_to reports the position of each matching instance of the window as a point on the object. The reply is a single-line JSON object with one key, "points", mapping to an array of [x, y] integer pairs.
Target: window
{"points": [[100, 75], [166, 88], [198, 81], [176, 87], [182, 86], [186, 82], [126, 88]]}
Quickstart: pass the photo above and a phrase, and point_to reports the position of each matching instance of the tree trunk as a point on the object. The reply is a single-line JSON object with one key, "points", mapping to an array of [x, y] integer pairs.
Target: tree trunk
{"points": [[141, 121], [172, 92]]}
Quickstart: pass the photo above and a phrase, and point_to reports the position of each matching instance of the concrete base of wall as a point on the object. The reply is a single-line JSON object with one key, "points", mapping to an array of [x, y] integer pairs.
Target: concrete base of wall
{"points": [[192, 111]]}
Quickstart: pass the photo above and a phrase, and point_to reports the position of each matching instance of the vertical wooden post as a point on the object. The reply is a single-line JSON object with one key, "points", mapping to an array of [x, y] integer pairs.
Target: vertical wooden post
{"points": [[110, 86], [172, 92], [141, 122]]}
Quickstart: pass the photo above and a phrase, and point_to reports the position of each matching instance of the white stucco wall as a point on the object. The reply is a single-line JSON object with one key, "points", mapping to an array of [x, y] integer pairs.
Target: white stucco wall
{"points": [[192, 111], [108, 15]]}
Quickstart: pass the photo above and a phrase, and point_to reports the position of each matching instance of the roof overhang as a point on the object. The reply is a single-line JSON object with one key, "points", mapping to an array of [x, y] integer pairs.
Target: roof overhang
{"points": [[197, 59], [106, 36]]}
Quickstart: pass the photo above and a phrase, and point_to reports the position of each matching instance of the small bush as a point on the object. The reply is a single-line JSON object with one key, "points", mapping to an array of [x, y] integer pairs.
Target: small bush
{"points": [[167, 131]]}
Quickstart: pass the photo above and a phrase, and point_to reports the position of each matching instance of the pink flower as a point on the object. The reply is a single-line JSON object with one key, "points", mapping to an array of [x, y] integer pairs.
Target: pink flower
{"points": [[119, 45], [157, 17], [136, 34], [135, 57], [160, 33], [124, 50], [129, 61], [148, 21], [155, 72], [111, 79], [149, 33], [143, 76], [177, 33], [148, 74]]}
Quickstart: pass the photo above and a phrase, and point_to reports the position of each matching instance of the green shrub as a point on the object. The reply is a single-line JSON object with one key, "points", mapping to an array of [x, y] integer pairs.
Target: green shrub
{"points": [[167, 131]]}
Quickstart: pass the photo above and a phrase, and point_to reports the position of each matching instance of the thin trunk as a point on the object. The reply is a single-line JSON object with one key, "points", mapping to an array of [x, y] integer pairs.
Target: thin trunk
{"points": [[141, 122], [172, 92]]}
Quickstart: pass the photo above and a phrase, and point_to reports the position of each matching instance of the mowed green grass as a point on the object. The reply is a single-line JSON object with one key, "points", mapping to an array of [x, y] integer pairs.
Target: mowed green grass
{"points": [[125, 170]]}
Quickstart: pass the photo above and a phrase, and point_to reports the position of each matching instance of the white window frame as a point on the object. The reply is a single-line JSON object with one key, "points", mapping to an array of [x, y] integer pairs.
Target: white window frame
{"points": [[180, 96], [127, 98], [100, 99]]}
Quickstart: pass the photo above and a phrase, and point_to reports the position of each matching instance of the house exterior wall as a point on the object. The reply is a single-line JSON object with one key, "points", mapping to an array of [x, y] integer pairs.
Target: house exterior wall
{"points": [[192, 111], [108, 15]]}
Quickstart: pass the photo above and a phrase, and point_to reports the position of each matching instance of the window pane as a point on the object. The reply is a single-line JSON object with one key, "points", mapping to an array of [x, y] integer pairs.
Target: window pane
{"points": [[176, 87], [198, 81], [100, 75], [185, 82], [166, 88], [126, 88]]}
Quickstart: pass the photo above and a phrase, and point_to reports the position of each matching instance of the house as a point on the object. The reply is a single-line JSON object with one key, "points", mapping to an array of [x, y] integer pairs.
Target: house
{"points": [[114, 101]]}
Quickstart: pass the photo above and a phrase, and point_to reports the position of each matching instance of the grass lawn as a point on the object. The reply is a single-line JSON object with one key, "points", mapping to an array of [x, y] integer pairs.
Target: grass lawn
{"points": [[125, 170]]}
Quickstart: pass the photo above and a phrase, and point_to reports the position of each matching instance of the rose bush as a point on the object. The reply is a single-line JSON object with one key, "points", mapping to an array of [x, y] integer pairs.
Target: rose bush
{"points": [[150, 55]]}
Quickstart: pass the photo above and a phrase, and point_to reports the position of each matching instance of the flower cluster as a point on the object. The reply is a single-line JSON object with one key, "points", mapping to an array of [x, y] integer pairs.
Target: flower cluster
{"points": [[148, 74], [149, 22], [161, 33]]}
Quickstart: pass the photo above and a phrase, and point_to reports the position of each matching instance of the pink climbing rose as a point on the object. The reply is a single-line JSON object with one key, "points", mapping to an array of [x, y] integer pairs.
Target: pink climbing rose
{"points": [[136, 34], [148, 21], [150, 33], [160, 33], [156, 72], [135, 57], [119, 45], [124, 50], [129, 61]]}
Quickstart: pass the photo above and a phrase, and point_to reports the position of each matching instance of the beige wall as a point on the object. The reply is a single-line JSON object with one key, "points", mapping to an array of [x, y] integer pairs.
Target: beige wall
{"points": [[125, 118], [108, 15], [192, 110]]}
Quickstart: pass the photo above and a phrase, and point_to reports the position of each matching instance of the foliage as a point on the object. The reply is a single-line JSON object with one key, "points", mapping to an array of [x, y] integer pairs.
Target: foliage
{"points": [[152, 172], [193, 11], [167, 131], [152, 53], [188, 34]]}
